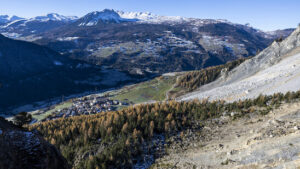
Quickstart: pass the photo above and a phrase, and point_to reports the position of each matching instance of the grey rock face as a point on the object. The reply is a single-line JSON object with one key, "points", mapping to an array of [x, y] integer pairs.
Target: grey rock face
{"points": [[275, 69]]}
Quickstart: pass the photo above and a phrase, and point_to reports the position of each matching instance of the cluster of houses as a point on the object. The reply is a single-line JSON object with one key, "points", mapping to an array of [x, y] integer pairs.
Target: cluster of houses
{"points": [[86, 106]]}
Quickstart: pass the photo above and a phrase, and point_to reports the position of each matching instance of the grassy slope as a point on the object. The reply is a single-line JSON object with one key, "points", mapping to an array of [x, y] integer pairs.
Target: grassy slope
{"points": [[42, 116], [153, 90]]}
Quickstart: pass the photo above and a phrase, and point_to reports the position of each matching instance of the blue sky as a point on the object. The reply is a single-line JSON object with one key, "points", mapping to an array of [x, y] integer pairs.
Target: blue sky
{"points": [[262, 14]]}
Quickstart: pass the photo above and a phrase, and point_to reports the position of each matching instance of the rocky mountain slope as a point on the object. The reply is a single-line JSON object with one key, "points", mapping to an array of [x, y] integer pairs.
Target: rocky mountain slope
{"points": [[26, 149], [280, 33], [182, 134], [276, 69], [253, 141]]}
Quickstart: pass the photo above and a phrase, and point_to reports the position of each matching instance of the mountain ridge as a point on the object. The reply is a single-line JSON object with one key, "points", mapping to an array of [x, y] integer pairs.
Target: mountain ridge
{"points": [[23, 27], [122, 16]]}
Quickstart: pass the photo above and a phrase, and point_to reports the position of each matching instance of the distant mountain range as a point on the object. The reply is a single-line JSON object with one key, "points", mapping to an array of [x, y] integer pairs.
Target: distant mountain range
{"points": [[16, 27], [12, 24], [143, 43]]}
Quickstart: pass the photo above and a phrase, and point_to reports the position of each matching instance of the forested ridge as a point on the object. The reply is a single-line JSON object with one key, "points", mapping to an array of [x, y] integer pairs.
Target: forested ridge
{"points": [[194, 79], [120, 139]]}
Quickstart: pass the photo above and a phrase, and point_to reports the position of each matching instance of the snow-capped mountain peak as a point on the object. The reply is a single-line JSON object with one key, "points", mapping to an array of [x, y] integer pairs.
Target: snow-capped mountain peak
{"points": [[149, 17], [105, 16], [16, 27], [6, 18], [54, 17], [112, 16], [137, 15]]}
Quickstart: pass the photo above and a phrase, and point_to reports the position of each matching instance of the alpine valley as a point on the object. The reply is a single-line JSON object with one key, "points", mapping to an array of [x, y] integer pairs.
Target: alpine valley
{"points": [[115, 89], [134, 45]]}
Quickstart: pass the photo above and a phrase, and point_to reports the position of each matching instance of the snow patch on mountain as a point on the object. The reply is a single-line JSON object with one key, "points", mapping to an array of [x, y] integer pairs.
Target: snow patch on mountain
{"points": [[11, 35], [67, 38]]}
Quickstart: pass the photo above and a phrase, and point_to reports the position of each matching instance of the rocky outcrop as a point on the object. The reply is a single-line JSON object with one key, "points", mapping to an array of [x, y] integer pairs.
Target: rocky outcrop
{"points": [[20, 148], [268, 57], [275, 69]]}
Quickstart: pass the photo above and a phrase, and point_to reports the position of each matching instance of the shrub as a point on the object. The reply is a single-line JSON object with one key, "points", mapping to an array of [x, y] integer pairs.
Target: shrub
{"points": [[22, 118]]}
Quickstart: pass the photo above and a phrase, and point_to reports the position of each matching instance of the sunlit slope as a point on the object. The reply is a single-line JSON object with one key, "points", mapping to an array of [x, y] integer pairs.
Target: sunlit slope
{"points": [[276, 69]]}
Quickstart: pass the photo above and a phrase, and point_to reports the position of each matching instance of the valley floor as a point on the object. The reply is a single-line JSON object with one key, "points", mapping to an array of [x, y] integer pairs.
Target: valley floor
{"points": [[253, 141]]}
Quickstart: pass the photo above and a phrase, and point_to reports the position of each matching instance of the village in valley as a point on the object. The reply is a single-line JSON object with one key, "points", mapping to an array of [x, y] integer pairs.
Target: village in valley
{"points": [[85, 106]]}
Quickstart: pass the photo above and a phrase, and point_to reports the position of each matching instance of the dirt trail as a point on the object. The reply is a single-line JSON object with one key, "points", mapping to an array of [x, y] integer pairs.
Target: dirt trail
{"points": [[271, 141]]}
